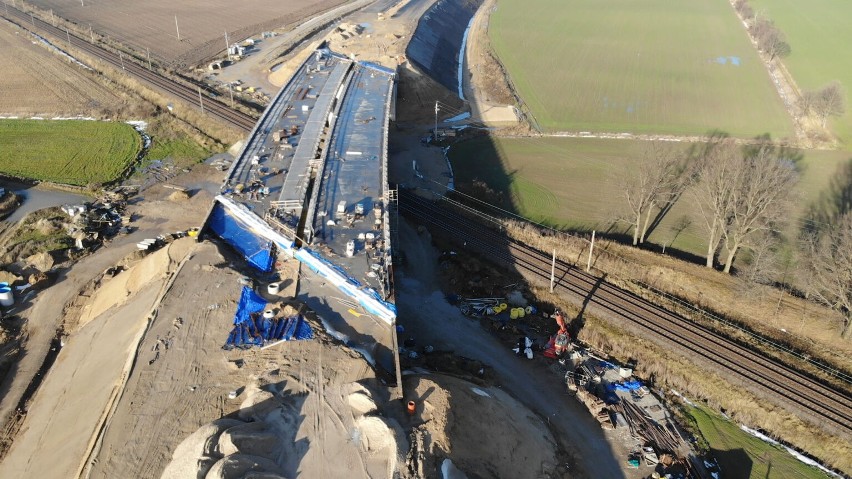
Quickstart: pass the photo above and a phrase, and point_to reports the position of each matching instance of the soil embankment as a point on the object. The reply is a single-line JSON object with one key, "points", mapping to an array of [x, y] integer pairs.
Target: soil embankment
{"points": [[436, 44]]}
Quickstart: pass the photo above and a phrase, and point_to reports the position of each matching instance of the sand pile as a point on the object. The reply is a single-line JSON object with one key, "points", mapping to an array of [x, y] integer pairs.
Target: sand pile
{"points": [[41, 261], [236, 448], [283, 71], [361, 400], [482, 430], [288, 430], [179, 196]]}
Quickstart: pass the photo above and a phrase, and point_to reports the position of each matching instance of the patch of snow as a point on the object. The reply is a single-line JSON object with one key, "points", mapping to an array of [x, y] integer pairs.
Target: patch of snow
{"points": [[81, 118], [61, 52], [140, 127], [460, 117], [801, 457], [138, 124], [684, 398], [480, 392]]}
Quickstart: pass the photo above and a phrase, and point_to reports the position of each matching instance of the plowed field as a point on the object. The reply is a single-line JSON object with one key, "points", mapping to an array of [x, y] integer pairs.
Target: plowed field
{"points": [[36, 81], [202, 23]]}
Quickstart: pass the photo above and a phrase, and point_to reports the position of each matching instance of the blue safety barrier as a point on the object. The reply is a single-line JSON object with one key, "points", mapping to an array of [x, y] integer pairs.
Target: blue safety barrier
{"points": [[256, 249]]}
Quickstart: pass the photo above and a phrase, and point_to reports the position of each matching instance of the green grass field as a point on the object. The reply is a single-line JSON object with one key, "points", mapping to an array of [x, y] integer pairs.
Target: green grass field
{"points": [[183, 152], [572, 183], [819, 35], [643, 66], [73, 152], [742, 455]]}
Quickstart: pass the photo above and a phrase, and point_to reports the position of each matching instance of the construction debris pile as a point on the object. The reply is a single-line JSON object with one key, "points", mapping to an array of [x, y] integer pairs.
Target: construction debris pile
{"points": [[93, 222], [611, 393], [620, 401], [345, 31], [505, 313]]}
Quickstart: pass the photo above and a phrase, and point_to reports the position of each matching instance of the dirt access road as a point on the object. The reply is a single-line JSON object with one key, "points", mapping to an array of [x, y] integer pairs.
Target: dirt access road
{"points": [[44, 313], [427, 316]]}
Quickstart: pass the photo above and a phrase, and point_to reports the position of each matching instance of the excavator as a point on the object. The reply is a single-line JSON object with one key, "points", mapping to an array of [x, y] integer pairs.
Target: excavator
{"points": [[558, 343]]}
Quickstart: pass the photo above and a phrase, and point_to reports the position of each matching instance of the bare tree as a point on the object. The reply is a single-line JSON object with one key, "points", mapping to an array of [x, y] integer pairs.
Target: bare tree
{"points": [[808, 101], [829, 102], [746, 11], [761, 195], [713, 190], [741, 194], [649, 185], [744, 8], [770, 39], [828, 265], [764, 265]]}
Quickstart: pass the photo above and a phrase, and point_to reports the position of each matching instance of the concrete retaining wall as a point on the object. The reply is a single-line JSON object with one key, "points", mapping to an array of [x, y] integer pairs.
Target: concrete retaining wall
{"points": [[437, 41]]}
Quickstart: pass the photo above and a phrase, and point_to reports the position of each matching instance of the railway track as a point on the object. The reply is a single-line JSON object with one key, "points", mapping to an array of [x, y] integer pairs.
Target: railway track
{"points": [[824, 404], [162, 83]]}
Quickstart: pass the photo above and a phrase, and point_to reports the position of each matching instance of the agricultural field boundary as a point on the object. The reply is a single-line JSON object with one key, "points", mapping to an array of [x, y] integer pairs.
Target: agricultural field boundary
{"points": [[477, 88], [819, 36], [784, 83], [645, 137]]}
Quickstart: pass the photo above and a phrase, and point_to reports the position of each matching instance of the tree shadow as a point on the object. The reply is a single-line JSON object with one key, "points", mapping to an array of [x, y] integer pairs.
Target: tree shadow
{"points": [[734, 463], [576, 324], [833, 202]]}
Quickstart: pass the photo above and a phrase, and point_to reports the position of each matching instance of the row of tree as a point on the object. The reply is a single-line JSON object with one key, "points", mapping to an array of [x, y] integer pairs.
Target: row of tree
{"points": [[744, 196], [740, 192], [822, 103], [827, 265], [770, 39]]}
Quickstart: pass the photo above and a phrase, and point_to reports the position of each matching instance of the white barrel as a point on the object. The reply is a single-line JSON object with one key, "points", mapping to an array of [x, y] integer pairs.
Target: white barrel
{"points": [[269, 314], [273, 288], [6, 298]]}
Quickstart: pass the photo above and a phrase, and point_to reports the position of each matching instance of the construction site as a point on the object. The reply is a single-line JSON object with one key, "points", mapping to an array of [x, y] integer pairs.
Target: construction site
{"points": [[317, 302]]}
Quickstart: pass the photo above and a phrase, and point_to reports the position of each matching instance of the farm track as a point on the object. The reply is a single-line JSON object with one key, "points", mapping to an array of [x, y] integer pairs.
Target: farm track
{"points": [[179, 90], [827, 406]]}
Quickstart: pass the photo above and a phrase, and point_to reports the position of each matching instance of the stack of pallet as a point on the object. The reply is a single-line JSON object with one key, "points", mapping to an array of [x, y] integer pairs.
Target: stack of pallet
{"points": [[597, 408]]}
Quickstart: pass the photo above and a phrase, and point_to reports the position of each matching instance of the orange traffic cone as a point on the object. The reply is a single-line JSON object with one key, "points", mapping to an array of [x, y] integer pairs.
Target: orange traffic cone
{"points": [[411, 408]]}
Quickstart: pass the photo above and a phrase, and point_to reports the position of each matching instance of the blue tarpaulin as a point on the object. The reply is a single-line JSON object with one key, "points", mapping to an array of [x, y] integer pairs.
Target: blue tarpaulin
{"points": [[255, 249], [252, 329]]}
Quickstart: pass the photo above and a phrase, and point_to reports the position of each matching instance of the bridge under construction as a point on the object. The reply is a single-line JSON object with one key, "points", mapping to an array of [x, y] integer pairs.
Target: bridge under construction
{"points": [[311, 182]]}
